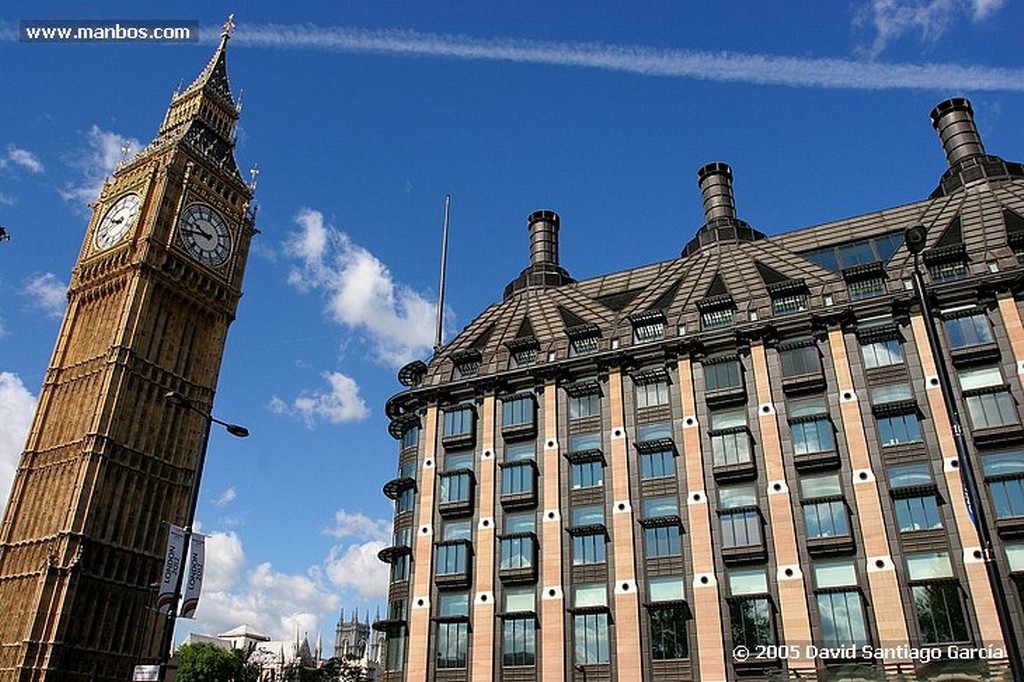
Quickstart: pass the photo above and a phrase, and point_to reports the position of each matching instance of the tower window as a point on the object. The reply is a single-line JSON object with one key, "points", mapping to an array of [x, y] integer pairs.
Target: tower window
{"points": [[840, 606], [590, 624], [937, 597], [648, 326], [751, 614], [1004, 476], [717, 318], [452, 630], [882, 353], [966, 328], [669, 619], [915, 500], [988, 399], [791, 302], [583, 339]]}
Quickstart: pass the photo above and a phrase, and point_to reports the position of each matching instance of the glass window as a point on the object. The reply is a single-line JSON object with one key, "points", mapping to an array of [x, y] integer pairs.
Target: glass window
{"points": [[662, 541], [652, 394], [451, 559], [948, 271], [452, 604], [733, 446], [458, 422], [842, 619], [400, 568], [661, 506], [882, 353], [751, 622], [820, 486], [588, 516], [466, 368], [741, 529], [812, 436], [410, 437], [456, 487], [517, 552], [665, 589], [590, 595], [1015, 557], [653, 431], [586, 474], [582, 406], [520, 451], [988, 399], [917, 513], [668, 634], [827, 519], [520, 641], [891, 393], [520, 599], [403, 537], [582, 345], [807, 407], [452, 645], [857, 253], [789, 303], [517, 479], [590, 632], [716, 319], [909, 475], [520, 523], [517, 411], [585, 441], [752, 581], [800, 361], [657, 464], [834, 574], [457, 530], [929, 566], [406, 501], [649, 331], [940, 612], [524, 356], [394, 656], [454, 462], [1004, 474], [866, 288], [898, 429], [967, 331], [735, 496], [721, 376]]}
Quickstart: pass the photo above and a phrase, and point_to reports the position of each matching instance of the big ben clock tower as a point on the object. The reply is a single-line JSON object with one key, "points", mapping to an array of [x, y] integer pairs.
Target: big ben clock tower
{"points": [[108, 463]]}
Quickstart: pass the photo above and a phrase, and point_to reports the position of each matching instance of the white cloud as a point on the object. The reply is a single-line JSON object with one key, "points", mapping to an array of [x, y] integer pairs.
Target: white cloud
{"points": [[22, 158], [7, 200], [226, 497], [735, 67], [357, 567], [342, 403], [16, 408], [225, 561], [48, 293], [361, 293], [96, 163], [358, 525], [931, 19]]}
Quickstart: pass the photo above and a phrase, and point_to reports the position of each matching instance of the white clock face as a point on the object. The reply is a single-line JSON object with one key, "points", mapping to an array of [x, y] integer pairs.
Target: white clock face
{"points": [[205, 234], [118, 220]]}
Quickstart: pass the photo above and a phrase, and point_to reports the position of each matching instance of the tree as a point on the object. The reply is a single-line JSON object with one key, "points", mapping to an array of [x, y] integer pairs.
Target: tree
{"points": [[205, 662]]}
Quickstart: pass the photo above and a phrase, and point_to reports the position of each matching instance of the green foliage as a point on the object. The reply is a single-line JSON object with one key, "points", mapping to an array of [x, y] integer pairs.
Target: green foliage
{"points": [[333, 670], [205, 662]]}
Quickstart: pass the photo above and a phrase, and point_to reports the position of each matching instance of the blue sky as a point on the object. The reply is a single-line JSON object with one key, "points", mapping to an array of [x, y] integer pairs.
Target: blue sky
{"points": [[363, 115]]}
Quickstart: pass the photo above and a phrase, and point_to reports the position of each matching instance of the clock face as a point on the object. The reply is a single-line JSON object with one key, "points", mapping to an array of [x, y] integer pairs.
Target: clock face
{"points": [[205, 234], [118, 220]]}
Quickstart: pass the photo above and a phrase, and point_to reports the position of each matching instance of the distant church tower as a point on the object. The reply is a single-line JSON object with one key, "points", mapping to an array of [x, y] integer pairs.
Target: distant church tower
{"points": [[351, 637], [109, 463]]}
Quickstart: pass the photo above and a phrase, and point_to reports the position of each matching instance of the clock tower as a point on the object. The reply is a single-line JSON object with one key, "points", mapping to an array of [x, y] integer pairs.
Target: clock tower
{"points": [[109, 464]]}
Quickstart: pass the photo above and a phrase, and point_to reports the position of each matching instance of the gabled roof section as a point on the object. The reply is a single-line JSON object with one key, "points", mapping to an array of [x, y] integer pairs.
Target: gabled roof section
{"points": [[525, 329], [952, 235], [619, 300], [770, 275], [570, 319], [717, 287]]}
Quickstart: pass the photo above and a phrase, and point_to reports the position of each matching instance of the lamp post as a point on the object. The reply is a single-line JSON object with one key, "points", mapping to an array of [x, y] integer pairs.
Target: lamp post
{"points": [[915, 238], [179, 400]]}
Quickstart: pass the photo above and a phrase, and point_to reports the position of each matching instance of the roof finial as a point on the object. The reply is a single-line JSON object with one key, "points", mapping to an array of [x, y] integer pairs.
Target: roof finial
{"points": [[229, 26], [254, 174]]}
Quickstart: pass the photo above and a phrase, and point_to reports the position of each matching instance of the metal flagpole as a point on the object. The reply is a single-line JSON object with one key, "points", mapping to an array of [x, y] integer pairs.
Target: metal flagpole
{"points": [[438, 338]]}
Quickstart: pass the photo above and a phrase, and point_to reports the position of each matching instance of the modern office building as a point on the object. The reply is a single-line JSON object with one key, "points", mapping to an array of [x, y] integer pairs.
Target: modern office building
{"points": [[666, 472]]}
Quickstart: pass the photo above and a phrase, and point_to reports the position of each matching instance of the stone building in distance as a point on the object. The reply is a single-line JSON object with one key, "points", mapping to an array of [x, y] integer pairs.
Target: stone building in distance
{"points": [[667, 472]]}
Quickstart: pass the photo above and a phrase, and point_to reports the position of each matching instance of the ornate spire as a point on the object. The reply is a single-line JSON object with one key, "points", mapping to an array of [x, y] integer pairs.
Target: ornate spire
{"points": [[214, 78]]}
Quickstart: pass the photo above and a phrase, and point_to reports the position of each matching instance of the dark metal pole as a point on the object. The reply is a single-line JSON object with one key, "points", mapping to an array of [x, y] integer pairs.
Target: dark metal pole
{"points": [[172, 613], [972, 494], [167, 640]]}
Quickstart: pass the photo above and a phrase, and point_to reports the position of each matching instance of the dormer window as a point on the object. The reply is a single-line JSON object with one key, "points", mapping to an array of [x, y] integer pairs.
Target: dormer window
{"points": [[716, 312], [865, 281], [583, 339], [522, 352], [788, 297], [467, 364], [947, 263], [648, 326]]}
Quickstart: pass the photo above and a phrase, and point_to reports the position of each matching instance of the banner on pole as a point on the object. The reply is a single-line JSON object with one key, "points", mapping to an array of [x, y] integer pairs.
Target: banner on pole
{"points": [[194, 576], [172, 567]]}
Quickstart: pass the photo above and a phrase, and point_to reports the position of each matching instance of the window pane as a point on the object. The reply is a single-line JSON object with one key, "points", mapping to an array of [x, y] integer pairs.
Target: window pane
{"points": [[964, 332], [980, 378], [882, 354], [588, 549], [585, 441], [520, 641], [586, 474], [891, 394], [587, 516], [827, 519], [520, 452], [842, 619], [520, 523], [590, 595], [751, 622], [917, 513], [737, 496], [834, 574], [812, 436], [928, 566], [653, 431], [741, 529], [992, 410], [661, 506], [754, 581], [820, 486], [909, 475], [520, 599], [591, 638], [665, 589], [662, 541], [452, 605], [940, 613], [901, 428], [1015, 557], [517, 552], [582, 406], [722, 375], [806, 407], [517, 480], [657, 464], [728, 419], [649, 395], [668, 634], [1002, 463], [457, 530], [460, 461], [452, 645], [799, 361]]}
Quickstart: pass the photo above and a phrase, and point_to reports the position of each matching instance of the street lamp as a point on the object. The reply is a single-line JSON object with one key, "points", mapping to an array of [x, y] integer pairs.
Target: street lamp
{"points": [[915, 238], [179, 400]]}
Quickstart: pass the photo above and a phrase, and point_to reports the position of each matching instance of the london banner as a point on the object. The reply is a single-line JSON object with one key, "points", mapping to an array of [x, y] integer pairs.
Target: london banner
{"points": [[194, 576], [172, 566]]}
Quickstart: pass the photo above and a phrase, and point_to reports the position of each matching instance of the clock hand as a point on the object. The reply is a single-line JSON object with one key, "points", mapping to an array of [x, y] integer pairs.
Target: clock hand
{"points": [[197, 230]]}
